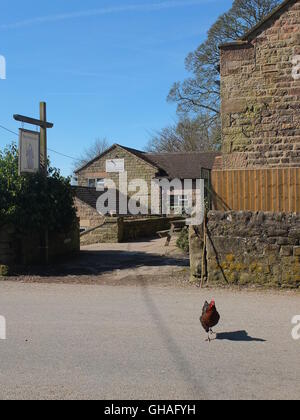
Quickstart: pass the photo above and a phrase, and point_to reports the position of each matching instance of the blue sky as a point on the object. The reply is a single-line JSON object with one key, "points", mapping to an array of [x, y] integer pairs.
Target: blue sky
{"points": [[103, 67]]}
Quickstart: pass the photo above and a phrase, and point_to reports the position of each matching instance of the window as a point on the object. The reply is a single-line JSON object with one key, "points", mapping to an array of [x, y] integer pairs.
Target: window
{"points": [[174, 201], [178, 203], [100, 183], [96, 183], [184, 201], [92, 183]]}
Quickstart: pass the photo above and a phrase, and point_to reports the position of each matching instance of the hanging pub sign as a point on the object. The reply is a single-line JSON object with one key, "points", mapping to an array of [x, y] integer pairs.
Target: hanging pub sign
{"points": [[29, 152]]}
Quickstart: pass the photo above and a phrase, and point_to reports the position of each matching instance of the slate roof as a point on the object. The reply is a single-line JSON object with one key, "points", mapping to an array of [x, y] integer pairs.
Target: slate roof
{"points": [[182, 165], [87, 195]]}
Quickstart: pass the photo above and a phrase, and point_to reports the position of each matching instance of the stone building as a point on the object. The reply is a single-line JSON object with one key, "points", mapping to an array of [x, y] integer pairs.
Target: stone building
{"points": [[118, 160], [260, 93], [256, 241]]}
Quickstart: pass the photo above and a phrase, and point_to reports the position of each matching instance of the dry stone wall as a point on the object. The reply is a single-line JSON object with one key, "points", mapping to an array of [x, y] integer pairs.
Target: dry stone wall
{"points": [[246, 248]]}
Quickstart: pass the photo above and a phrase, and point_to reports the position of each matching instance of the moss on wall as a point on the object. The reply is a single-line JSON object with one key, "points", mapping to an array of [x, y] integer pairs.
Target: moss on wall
{"points": [[248, 248]]}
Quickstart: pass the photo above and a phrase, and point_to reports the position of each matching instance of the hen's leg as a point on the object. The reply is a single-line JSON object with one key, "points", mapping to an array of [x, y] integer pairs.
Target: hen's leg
{"points": [[208, 338]]}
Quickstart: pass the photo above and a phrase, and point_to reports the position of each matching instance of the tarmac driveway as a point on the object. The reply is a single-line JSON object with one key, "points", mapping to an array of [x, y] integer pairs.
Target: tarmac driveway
{"points": [[126, 263], [87, 342], [143, 341]]}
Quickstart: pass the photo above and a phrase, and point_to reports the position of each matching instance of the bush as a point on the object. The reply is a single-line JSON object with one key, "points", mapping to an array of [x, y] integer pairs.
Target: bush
{"points": [[34, 202], [183, 240]]}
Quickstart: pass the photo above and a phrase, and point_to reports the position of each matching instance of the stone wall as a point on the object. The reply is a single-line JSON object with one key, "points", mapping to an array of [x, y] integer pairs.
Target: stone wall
{"points": [[62, 244], [260, 96], [110, 232], [145, 227], [117, 229], [196, 244], [88, 215], [253, 248], [27, 249], [8, 246]]}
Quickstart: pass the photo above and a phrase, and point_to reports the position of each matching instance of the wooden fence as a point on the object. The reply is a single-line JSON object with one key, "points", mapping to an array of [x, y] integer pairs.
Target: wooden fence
{"points": [[275, 190]]}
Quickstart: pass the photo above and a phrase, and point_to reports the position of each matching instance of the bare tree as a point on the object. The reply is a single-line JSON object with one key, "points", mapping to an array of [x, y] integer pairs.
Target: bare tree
{"points": [[94, 150], [200, 94], [186, 136]]}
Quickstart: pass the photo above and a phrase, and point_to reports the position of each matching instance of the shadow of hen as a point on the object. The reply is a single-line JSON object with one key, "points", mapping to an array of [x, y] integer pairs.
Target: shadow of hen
{"points": [[238, 336]]}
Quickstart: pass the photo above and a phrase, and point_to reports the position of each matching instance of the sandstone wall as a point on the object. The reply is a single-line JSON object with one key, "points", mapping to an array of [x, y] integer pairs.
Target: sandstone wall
{"points": [[253, 248], [89, 217], [116, 229], [8, 245], [145, 227], [110, 232], [27, 249], [261, 98]]}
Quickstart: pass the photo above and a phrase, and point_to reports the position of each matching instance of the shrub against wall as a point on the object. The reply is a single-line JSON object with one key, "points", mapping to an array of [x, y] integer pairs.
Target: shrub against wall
{"points": [[183, 240], [33, 202]]}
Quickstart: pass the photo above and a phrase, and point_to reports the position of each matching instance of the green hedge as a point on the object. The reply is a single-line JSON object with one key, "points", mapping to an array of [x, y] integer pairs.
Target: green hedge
{"points": [[34, 202]]}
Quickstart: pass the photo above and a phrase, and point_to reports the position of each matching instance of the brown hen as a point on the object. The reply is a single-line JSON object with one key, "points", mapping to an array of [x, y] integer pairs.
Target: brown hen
{"points": [[209, 318]]}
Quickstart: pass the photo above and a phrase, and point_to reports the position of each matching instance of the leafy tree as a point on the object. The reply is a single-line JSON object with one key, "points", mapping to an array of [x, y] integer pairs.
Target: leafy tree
{"points": [[33, 202], [200, 94]]}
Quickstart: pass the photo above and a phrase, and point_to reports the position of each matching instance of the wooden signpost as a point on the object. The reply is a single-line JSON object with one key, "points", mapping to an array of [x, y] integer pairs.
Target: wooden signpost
{"points": [[44, 125]]}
